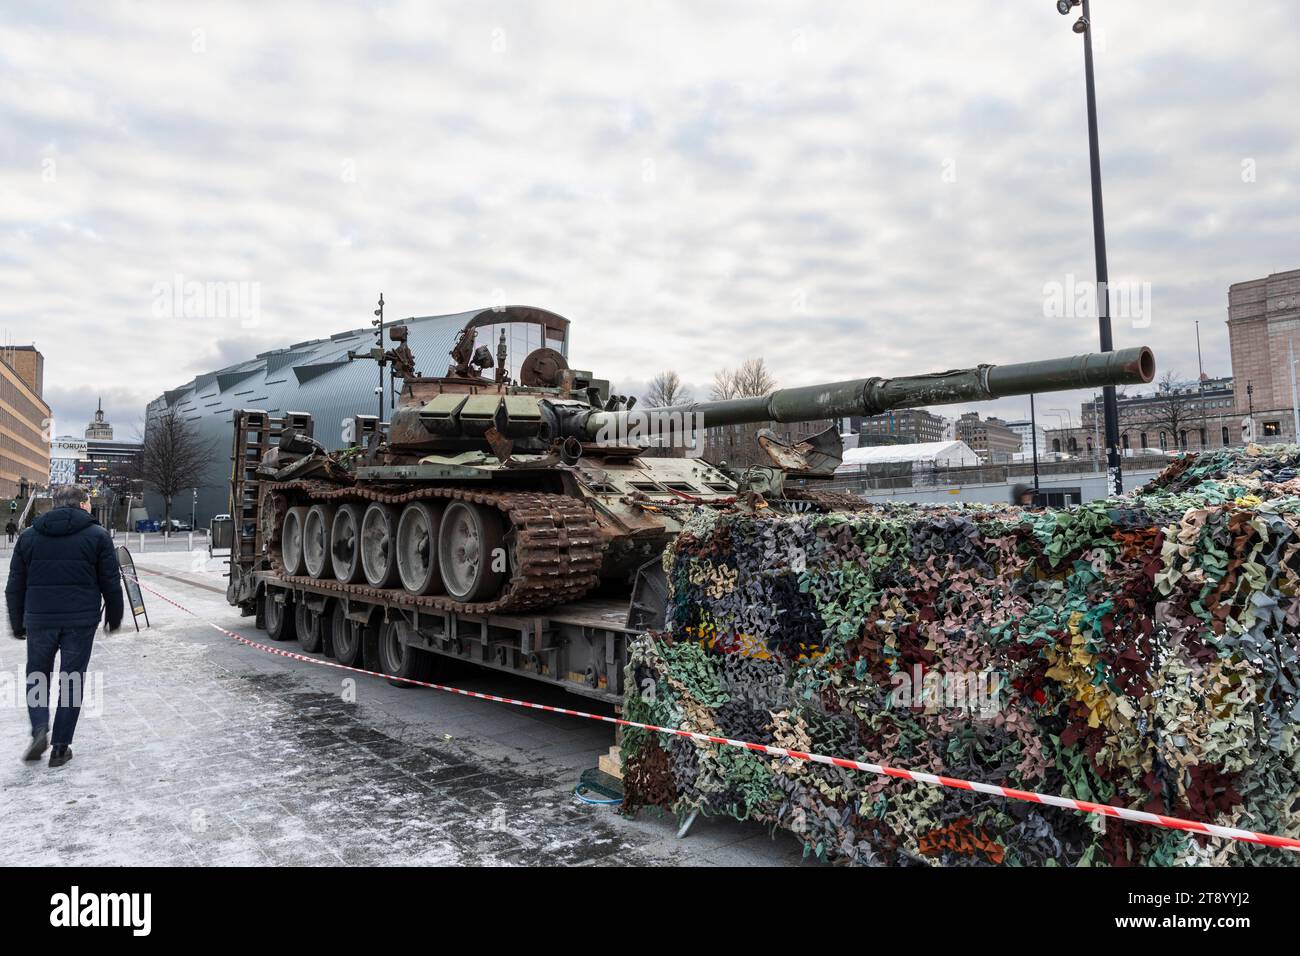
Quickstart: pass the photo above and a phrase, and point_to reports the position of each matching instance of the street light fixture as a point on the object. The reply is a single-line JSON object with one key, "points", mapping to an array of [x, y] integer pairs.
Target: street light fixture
{"points": [[1066, 414], [1115, 477]]}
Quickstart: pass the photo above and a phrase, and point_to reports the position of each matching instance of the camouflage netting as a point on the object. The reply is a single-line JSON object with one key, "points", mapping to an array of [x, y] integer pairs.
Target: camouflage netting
{"points": [[1140, 651]]}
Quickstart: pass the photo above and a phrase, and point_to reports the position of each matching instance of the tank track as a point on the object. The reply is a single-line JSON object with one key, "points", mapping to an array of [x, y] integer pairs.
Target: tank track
{"points": [[558, 544]]}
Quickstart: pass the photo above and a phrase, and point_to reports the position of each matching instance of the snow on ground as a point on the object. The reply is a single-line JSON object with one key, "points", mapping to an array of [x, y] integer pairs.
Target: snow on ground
{"points": [[195, 749]]}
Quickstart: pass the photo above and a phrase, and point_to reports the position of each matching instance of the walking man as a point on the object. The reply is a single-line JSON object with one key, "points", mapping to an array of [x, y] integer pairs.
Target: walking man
{"points": [[62, 576], [11, 529]]}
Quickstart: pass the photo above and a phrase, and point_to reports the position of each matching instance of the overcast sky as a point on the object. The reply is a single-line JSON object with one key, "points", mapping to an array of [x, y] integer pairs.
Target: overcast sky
{"points": [[843, 189]]}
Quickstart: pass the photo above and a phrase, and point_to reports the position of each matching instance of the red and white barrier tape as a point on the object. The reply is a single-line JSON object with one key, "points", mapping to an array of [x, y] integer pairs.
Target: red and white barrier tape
{"points": [[1083, 806]]}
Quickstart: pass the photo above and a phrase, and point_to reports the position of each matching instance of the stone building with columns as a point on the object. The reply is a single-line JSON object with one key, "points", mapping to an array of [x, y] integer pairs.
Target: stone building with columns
{"points": [[1263, 326]]}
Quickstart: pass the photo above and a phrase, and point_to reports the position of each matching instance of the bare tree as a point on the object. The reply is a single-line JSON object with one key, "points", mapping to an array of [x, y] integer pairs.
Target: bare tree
{"points": [[738, 444], [750, 379], [173, 457], [724, 385], [666, 388], [1174, 409], [753, 378]]}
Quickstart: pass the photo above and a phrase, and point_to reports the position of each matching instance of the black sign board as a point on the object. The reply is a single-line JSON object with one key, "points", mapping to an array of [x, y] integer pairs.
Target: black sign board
{"points": [[132, 584]]}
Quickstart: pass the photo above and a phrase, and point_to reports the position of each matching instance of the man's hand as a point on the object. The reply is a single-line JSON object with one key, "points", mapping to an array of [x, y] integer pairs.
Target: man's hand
{"points": [[20, 635]]}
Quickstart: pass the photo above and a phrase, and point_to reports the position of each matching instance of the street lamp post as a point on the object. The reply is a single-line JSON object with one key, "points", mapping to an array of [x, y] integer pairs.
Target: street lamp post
{"points": [[1200, 388], [1033, 442], [1096, 438], [1250, 409], [378, 323], [1083, 25], [1295, 408]]}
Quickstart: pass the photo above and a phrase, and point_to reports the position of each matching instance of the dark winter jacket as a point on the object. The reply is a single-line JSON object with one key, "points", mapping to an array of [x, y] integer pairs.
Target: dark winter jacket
{"points": [[61, 568]]}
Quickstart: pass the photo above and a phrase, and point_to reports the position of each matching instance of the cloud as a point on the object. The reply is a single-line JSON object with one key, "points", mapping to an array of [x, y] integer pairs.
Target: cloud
{"points": [[843, 193]]}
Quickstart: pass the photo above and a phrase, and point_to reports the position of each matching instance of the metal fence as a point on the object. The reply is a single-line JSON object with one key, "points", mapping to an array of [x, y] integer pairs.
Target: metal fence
{"points": [[146, 542], [898, 476]]}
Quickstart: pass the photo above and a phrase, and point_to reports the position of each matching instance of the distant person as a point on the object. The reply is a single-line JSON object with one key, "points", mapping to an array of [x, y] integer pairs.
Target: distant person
{"points": [[11, 529], [1023, 495], [62, 576]]}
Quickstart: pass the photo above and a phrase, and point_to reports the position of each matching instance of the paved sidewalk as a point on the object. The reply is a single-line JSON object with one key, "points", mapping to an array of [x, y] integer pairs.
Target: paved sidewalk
{"points": [[197, 750]]}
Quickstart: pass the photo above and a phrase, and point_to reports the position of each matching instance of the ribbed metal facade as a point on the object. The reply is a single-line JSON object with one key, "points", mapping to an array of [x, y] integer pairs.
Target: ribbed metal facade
{"points": [[316, 377]]}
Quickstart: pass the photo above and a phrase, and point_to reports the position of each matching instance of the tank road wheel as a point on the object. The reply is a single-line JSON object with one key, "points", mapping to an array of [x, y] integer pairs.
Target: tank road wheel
{"points": [[345, 535], [471, 552], [346, 637], [400, 660], [291, 540], [417, 548], [279, 617], [307, 624], [379, 545], [316, 540]]}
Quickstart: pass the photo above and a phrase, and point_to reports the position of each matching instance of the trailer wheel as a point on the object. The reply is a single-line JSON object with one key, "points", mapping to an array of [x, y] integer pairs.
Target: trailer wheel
{"points": [[471, 552], [400, 660], [417, 547], [307, 624], [291, 540], [345, 543], [316, 540], [279, 617], [379, 545], [346, 637]]}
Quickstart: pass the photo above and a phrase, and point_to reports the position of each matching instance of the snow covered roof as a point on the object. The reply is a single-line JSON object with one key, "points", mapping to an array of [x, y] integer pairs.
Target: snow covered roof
{"points": [[927, 452]]}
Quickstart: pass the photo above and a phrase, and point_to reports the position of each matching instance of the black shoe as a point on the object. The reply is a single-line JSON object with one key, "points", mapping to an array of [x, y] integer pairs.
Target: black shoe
{"points": [[60, 755], [37, 747]]}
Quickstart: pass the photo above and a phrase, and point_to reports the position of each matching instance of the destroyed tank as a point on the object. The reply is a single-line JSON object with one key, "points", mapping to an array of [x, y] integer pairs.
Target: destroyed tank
{"points": [[491, 494]]}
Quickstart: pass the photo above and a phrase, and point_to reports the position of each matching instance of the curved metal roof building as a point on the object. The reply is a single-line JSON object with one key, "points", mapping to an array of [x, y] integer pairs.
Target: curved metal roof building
{"points": [[319, 378]]}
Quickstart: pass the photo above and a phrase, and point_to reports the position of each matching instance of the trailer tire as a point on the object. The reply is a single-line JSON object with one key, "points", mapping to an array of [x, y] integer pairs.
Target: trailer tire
{"points": [[378, 545], [416, 548], [345, 543], [291, 540], [402, 660], [316, 528], [471, 542], [347, 638], [308, 626], [279, 617]]}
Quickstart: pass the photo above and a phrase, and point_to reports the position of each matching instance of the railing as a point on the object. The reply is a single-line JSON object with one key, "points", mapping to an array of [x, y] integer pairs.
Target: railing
{"points": [[895, 476]]}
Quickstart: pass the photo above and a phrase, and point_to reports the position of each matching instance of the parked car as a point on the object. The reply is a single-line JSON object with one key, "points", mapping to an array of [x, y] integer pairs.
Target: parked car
{"points": [[176, 525]]}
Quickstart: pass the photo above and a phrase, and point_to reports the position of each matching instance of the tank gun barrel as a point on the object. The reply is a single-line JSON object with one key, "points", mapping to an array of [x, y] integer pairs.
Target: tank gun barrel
{"points": [[872, 396]]}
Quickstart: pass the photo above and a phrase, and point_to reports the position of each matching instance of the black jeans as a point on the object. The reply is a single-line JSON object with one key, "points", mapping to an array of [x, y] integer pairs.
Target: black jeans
{"points": [[73, 644]]}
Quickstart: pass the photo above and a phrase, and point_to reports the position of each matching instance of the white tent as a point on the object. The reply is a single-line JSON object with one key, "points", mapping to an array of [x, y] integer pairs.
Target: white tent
{"points": [[928, 454]]}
